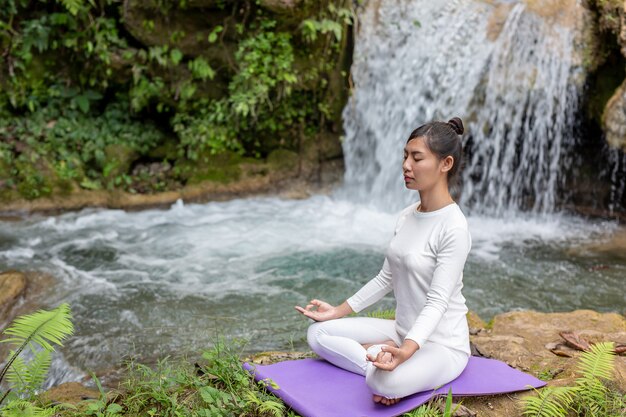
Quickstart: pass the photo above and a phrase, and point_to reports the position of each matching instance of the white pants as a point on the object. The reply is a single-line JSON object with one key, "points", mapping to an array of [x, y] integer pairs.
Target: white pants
{"points": [[339, 341]]}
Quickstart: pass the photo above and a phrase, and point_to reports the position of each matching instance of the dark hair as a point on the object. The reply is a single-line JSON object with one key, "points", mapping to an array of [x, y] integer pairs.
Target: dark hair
{"points": [[443, 139]]}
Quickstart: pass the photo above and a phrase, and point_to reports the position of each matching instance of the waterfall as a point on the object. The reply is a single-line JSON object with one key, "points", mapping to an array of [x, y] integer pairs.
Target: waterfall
{"points": [[508, 69]]}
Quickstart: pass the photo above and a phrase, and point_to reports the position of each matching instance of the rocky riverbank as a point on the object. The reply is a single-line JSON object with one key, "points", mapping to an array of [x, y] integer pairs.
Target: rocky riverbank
{"points": [[526, 340], [283, 174]]}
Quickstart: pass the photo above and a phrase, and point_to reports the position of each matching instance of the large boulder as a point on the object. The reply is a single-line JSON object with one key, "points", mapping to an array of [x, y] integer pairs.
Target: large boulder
{"points": [[614, 119], [530, 341], [12, 287]]}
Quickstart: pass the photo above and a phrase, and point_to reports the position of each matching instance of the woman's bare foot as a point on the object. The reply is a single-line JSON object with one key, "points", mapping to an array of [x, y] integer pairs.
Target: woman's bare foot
{"points": [[385, 358], [385, 400]]}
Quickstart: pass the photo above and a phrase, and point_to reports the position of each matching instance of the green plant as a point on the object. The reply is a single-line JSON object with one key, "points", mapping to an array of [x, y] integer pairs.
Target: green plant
{"points": [[590, 397], [74, 83], [382, 314], [22, 408], [37, 333], [433, 408]]}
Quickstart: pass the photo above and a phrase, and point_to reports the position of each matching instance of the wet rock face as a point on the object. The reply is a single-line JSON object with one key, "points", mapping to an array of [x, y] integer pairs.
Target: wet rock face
{"points": [[12, 287], [614, 119], [611, 17]]}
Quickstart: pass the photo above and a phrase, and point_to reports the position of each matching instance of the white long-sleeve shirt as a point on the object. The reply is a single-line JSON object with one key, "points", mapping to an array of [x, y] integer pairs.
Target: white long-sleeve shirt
{"points": [[424, 267]]}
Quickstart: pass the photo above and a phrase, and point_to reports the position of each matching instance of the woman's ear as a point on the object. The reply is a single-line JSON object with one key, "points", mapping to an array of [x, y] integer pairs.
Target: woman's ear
{"points": [[447, 163]]}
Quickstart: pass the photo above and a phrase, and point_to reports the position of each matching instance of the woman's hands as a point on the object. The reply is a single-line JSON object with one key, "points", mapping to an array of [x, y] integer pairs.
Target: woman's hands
{"points": [[324, 310], [390, 357]]}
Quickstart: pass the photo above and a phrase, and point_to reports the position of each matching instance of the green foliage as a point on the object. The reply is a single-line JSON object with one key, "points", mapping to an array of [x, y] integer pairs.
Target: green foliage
{"points": [[22, 408], [265, 71], [219, 387], [590, 397], [24, 376], [51, 148], [72, 83], [37, 332], [550, 402], [330, 22], [382, 314], [433, 408]]}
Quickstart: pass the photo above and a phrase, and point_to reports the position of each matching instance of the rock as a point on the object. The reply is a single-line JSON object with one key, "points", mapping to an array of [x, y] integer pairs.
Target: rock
{"points": [[614, 119], [222, 168], [474, 322], [280, 6], [70, 392], [12, 287], [497, 19], [283, 161], [186, 28], [118, 159], [269, 357], [527, 339], [610, 15]]}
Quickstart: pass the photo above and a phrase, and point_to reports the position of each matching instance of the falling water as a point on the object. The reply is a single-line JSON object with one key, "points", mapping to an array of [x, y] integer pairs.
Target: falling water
{"points": [[510, 73], [617, 179]]}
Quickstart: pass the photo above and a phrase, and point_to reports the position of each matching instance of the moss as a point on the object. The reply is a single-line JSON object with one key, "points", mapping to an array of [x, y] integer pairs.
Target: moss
{"points": [[222, 167], [283, 160], [118, 160], [167, 150], [36, 176], [489, 324]]}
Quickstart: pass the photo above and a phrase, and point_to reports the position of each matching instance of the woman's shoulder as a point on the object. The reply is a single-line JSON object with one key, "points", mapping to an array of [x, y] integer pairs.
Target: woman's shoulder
{"points": [[455, 226], [456, 218]]}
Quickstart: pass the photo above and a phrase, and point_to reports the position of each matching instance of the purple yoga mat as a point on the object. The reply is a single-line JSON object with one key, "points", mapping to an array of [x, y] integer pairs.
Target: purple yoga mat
{"points": [[316, 388]]}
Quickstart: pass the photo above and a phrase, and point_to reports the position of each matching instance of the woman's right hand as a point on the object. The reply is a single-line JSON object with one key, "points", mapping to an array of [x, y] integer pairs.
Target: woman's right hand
{"points": [[324, 311]]}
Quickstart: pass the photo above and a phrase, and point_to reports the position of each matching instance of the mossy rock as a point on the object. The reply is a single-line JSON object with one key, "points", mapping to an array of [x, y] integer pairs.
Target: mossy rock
{"points": [[5, 170], [283, 160], [166, 150], [187, 29], [223, 167], [35, 179], [118, 159]]}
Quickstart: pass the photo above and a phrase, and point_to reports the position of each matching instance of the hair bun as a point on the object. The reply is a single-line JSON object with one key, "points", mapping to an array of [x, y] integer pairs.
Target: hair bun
{"points": [[457, 125]]}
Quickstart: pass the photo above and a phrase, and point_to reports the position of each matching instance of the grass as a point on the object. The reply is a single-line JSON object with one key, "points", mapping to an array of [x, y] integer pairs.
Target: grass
{"points": [[215, 386]]}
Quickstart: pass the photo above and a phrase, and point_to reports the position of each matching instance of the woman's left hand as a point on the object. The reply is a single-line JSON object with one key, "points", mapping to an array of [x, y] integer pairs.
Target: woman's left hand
{"points": [[398, 355]]}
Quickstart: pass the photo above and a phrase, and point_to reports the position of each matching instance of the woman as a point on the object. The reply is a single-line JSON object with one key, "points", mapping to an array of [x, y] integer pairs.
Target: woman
{"points": [[427, 344]]}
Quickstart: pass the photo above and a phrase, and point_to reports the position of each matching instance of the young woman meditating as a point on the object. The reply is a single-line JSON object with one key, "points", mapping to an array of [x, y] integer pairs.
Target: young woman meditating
{"points": [[427, 344]]}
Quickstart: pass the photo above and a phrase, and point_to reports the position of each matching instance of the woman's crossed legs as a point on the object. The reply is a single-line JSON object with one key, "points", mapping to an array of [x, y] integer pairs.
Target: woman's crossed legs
{"points": [[340, 342]]}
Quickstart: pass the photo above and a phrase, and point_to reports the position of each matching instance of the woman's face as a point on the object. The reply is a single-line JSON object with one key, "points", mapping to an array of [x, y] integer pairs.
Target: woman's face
{"points": [[421, 168]]}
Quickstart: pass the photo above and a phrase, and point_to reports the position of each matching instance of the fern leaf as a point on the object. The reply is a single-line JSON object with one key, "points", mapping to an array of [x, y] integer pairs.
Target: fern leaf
{"points": [[251, 398], [16, 374], [549, 402], [598, 362], [38, 369], [272, 407], [382, 314], [25, 408], [43, 328]]}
